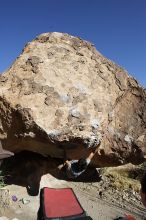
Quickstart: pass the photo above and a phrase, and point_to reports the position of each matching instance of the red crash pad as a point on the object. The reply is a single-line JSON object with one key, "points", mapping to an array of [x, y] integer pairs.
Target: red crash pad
{"points": [[60, 204]]}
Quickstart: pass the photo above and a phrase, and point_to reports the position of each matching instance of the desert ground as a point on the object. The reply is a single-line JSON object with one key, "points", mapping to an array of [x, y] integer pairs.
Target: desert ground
{"points": [[100, 198]]}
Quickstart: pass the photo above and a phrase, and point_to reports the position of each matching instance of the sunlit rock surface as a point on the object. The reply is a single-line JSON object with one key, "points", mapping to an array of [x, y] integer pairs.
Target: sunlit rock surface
{"points": [[62, 93]]}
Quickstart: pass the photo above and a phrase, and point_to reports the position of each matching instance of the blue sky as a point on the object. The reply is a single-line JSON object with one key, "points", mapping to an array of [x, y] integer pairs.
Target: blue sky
{"points": [[116, 27]]}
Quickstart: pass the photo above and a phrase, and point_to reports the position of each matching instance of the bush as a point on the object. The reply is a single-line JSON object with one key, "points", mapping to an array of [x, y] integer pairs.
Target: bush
{"points": [[2, 184]]}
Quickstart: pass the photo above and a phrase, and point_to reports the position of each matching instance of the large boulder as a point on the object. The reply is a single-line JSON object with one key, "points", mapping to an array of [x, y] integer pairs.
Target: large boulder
{"points": [[62, 93]]}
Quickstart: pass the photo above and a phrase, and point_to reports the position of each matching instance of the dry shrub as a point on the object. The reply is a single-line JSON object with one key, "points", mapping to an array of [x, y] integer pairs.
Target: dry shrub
{"points": [[124, 177]]}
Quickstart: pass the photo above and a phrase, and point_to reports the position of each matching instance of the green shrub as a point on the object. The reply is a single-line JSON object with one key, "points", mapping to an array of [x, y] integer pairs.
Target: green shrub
{"points": [[2, 184]]}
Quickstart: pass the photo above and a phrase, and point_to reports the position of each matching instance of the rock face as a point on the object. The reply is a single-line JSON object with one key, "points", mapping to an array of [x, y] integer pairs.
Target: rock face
{"points": [[62, 93]]}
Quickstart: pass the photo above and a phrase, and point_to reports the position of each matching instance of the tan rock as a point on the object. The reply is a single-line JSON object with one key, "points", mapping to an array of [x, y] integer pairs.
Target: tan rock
{"points": [[60, 92]]}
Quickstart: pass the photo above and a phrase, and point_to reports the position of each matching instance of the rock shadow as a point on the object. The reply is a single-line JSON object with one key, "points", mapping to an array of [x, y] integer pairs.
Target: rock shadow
{"points": [[26, 169]]}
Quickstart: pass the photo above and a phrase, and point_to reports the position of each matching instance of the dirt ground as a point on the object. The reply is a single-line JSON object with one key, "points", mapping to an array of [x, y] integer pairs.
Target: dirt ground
{"points": [[98, 198]]}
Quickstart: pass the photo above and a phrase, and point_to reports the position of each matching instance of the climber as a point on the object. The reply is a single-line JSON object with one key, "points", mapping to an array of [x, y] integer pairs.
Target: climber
{"points": [[75, 168]]}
